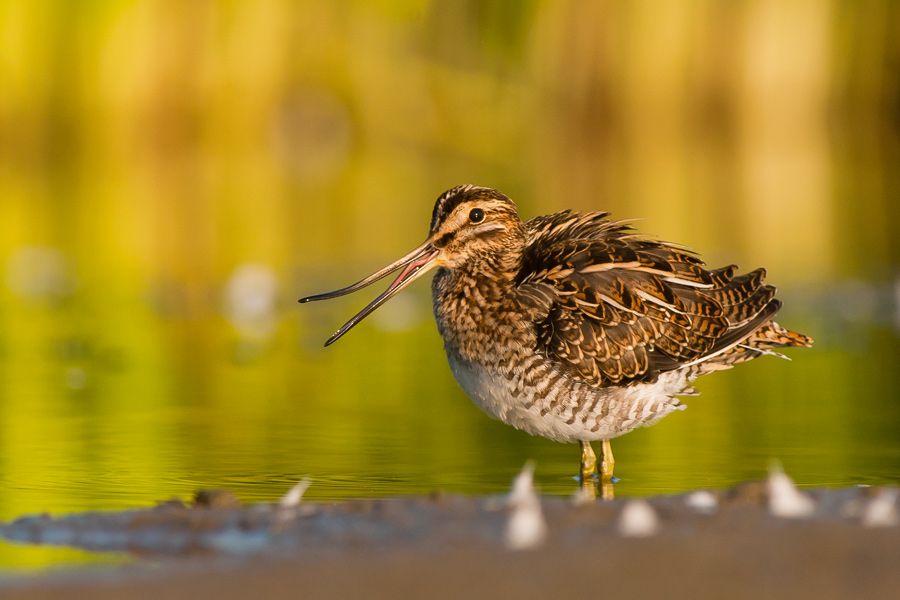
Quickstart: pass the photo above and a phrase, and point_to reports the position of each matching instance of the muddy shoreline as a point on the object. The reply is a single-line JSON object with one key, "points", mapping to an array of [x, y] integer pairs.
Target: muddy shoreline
{"points": [[722, 544]]}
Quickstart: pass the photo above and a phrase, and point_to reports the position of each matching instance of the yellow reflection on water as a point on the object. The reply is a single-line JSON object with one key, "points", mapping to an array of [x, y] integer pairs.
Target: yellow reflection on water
{"points": [[20, 559]]}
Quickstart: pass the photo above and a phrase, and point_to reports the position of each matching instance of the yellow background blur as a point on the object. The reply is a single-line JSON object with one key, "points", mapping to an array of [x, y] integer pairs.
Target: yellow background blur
{"points": [[174, 174]]}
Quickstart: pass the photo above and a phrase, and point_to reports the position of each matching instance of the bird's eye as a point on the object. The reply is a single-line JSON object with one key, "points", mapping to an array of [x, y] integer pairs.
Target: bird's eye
{"points": [[476, 215]]}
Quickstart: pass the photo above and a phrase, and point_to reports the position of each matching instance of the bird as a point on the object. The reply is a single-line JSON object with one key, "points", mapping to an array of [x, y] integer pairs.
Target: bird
{"points": [[574, 326]]}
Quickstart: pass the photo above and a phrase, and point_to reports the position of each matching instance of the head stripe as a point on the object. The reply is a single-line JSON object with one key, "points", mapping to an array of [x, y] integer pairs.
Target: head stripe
{"points": [[455, 196]]}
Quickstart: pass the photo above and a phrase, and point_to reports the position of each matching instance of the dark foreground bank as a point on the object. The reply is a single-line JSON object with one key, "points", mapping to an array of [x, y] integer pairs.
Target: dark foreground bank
{"points": [[838, 544]]}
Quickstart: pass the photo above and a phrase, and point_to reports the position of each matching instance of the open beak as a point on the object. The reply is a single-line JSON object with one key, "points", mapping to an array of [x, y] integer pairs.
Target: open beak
{"points": [[413, 265]]}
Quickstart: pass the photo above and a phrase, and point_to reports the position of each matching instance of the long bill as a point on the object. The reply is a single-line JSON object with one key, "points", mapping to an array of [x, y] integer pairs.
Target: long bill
{"points": [[413, 265]]}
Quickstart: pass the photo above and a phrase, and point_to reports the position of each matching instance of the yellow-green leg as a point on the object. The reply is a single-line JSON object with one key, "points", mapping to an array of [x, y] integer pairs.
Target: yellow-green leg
{"points": [[589, 469], [588, 462], [607, 462]]}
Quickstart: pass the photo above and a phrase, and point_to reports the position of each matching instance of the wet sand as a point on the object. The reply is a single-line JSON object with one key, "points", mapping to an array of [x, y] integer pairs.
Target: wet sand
{"points": [[454, 546]]}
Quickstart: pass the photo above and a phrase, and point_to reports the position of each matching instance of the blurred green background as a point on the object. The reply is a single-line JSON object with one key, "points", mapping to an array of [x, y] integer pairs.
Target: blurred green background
{"points": [[173, 175]]}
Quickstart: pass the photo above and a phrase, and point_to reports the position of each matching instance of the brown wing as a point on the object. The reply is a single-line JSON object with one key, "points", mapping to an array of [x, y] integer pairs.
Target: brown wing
{"points": [[615, 307]]}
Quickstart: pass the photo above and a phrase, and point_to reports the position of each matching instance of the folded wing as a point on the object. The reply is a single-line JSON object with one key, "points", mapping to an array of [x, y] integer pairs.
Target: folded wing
{"points": [[615, 307]]}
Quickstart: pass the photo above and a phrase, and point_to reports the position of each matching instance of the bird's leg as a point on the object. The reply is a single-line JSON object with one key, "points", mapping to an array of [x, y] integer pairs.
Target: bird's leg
{"points": [[588, 471], [607, 462], [588, 462]]}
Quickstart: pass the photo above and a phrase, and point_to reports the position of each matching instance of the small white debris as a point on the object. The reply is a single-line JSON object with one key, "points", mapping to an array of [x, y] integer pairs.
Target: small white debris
{"points": [[702, 501], [638, 519], [526, 527], [251, 301], [399, 316], [852, 509], [881, 511], [76, 378], [294, 495], [288, 507], [39, 273], [784, 498]]}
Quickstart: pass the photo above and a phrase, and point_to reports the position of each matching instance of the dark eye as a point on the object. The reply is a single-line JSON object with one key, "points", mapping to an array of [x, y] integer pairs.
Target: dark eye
{"points": [[476, 215]]}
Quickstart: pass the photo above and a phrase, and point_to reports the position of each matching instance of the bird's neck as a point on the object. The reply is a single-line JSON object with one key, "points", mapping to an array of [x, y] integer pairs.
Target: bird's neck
{"points": [[473, 309], [500, 262]]}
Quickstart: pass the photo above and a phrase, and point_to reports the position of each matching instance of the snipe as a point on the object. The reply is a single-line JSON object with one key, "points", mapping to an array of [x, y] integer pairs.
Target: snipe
{"points": [[573, 327]]}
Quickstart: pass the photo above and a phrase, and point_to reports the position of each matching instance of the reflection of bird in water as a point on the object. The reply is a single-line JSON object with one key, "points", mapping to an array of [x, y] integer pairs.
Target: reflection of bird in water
{"points": [[572, 326]]}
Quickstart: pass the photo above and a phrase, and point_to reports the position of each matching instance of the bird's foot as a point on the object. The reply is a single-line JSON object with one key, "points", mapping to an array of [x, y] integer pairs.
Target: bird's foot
{"points": [[596, 477], [588, 462], [596, 473], [607, 462]]}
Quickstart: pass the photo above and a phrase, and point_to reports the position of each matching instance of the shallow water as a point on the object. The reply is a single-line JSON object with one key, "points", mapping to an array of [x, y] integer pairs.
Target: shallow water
{"points": [[112, 425], [23, 559], [123, 401], [152, 406], [168, 192]]}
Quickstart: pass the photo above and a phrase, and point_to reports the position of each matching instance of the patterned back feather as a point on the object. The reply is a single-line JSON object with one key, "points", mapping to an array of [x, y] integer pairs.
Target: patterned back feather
{"points": [[615, 307]]}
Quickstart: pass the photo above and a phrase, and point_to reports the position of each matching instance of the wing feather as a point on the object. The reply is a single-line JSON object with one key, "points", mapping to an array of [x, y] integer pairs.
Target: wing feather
{"points": [[614, 307]]}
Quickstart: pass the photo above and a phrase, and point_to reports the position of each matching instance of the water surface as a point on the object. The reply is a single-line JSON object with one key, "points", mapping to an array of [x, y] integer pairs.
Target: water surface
{"points": [[173, 176], [102, 423]]}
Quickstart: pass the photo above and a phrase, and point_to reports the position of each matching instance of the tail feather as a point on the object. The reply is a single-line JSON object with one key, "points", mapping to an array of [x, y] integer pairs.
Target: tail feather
{"points": [[774, 335], [759, 343]]}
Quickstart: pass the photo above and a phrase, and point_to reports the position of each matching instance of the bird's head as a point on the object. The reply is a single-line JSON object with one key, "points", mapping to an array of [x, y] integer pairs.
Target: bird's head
{"points": [[473, 228]]}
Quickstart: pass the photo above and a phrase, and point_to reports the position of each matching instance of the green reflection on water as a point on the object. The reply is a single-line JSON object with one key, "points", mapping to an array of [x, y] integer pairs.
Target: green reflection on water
{"points": [[148, 150], [95, 420], [18, 559]]}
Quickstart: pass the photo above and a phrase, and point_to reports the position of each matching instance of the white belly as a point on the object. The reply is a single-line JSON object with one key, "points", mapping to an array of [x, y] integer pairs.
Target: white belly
{"points": [[616, 411]]}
